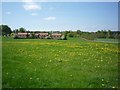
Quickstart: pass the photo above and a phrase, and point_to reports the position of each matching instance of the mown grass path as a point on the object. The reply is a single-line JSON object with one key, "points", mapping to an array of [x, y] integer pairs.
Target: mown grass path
{"points": [[72, 63]]}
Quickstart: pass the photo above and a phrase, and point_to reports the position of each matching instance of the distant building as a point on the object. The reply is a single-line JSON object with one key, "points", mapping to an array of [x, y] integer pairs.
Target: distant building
{"points": [[41, 35], [44, 35], [36, 35], [23, 35], [56, 36]]}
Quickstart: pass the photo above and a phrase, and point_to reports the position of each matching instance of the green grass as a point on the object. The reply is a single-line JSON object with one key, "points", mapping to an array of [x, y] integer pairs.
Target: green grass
{"points": [[106, 40], [0, 63], [72, 63]]}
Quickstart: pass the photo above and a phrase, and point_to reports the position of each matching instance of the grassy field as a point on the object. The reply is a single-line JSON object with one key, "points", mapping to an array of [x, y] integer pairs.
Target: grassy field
{"points": [[72, 63], [106, 40]]}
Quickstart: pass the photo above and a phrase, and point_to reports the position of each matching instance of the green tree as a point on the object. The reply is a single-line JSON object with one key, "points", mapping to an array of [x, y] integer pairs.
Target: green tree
{"points": [[78, 32], [27, 35], [15, 31], [109, 34], [70, 34], [98, 34], [5, 30], [33, 35], [22, 30], [64, 37], [0, 30], [12, 34]]}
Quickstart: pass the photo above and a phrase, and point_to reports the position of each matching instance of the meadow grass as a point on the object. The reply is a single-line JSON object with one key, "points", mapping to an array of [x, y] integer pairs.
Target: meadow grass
{"points": [[0, 62], [106, 40], [72, 63]]}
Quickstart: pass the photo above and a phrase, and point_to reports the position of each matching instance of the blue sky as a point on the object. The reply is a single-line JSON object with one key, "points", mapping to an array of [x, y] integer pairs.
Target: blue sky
{"points": [[85, 16]]}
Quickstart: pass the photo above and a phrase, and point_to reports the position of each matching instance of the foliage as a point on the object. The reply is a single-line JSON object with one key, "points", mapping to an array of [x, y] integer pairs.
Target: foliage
{"points": [[64, 37], [28, 36], [16, 31], [93, 35], [78, 33], [89, 36], [48, 37], [12, 34], [22, 30], [33, 35], [71, 34], [16, 37], [5, 30]]}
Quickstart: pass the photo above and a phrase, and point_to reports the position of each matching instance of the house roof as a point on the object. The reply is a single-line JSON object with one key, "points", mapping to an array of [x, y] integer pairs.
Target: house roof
{"points": [[22, 33], [41, 33], [36, 33]]}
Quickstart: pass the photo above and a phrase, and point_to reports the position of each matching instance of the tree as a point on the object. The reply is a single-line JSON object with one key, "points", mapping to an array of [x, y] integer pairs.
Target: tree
{"points": [[109, 34], [12, 34], [33, 35], [98, 34], [71, 34], [64, 37], [27, 35], [15, 31], [22, 29], [5, 30], [0, 30], [78, 32]]}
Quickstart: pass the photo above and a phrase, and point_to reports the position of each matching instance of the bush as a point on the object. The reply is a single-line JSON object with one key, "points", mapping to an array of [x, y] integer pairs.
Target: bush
{"points": [[71, 35], [12, 34], [64, 37], [48, 37], [16, 37]]}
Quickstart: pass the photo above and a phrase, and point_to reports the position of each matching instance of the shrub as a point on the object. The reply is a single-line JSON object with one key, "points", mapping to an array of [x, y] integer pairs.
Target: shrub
{"points": [[16, 37], [64, 37]]}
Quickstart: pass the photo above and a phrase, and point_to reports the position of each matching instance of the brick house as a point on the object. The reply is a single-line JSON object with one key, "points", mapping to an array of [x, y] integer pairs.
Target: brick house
{"points": [[56, 36], [41, 35], [22, 35]]}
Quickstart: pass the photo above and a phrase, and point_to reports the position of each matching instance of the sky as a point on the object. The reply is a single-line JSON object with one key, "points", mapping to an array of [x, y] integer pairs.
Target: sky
{"points": [[54, 16]]}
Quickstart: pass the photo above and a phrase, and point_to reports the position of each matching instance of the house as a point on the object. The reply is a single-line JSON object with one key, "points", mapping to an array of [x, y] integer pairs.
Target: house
{"points": [[56, 36], [22, 35], [41, 35], [44, 35], [36, 35]]}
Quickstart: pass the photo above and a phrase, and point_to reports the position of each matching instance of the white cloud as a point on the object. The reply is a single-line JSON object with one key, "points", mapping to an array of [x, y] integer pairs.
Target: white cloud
{"points": [[8, 13], [50, 18], [34, 14], [31, 5]]}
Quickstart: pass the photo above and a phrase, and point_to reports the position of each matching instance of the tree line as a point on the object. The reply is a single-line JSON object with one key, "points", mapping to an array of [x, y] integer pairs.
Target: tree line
{"points": [[92, 35], [5, 30]]}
